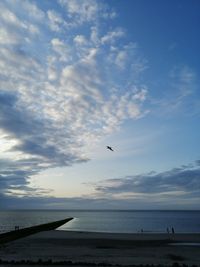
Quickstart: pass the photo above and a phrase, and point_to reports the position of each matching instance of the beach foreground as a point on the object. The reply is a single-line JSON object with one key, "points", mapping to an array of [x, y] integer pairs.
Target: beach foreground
{"points": [[108, 248]]}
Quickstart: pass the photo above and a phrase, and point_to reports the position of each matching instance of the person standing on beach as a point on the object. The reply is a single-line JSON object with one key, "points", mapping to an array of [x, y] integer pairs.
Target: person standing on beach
{"points": [[173, 231]]}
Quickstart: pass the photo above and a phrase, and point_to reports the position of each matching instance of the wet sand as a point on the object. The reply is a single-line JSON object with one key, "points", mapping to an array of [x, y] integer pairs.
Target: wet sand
{"points": [[108, 248]]}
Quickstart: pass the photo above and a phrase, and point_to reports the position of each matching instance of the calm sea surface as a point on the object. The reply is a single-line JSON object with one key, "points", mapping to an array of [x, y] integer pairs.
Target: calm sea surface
{"points": [[105, 221]]}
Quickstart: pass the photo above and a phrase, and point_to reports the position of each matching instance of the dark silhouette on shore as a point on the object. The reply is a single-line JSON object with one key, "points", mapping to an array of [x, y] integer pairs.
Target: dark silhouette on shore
{"points": [[109, 147], [19, 233]]}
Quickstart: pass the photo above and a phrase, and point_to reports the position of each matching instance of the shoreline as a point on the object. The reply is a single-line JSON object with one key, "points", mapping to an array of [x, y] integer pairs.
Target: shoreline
{"points": [[144, 236], [96, 248]]}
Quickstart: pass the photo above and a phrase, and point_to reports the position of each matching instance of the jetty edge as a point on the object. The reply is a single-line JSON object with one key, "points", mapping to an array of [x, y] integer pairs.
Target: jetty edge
{"points": [[16, 234]]}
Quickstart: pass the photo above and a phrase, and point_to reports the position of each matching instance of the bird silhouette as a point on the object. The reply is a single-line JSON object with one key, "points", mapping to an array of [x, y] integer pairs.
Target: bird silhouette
{"points": [[110, 148]]}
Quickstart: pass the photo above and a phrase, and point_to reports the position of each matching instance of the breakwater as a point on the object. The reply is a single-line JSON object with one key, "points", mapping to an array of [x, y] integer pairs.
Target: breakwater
{"points": [[16, 234]]}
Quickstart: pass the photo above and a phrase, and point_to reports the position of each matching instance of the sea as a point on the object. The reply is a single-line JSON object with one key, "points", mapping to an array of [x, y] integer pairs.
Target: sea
{"points": [[113, 221]]}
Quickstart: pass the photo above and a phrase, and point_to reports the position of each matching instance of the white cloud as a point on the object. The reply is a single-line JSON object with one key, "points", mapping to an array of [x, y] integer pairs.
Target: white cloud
{"points": [[30, 8], [52, 72], [7, 38], [121, 58], [61, 49], [10, 18], [15, 27], [112, 36], [94, 35], [80, 40], [55, 20], [82, 11], [87, 11], [33, 29], [141, 95], [57, 97]]}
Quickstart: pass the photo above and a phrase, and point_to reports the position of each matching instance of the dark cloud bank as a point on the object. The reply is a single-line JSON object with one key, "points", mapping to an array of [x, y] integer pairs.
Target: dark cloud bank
{"points": [[37, 154], [185, 179], [178, 188]]}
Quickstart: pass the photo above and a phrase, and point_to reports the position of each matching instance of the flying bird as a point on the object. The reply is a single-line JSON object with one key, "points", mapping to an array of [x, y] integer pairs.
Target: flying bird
{"points": [[109, 147]]}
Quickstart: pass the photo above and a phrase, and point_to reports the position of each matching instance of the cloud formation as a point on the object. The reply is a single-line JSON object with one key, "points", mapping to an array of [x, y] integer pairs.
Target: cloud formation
{"points": [[59, 92], [180, 92], [173, 186], [178, 188]]}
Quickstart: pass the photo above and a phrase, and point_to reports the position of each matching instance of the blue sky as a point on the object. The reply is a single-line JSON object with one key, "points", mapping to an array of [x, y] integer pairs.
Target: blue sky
{"points": [[78, 75]]}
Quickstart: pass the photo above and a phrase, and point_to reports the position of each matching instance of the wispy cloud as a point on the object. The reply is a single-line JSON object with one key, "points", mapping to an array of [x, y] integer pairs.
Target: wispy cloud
{"points": [[87, 11], [59, 89], [179, 92]]}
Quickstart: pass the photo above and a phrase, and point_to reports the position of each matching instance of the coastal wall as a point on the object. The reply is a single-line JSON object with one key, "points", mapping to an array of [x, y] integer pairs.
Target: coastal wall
{"points": [[16, 234]]}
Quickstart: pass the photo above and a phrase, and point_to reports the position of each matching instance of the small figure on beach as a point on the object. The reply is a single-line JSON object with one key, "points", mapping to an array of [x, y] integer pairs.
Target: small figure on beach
{"points": [[142, 230], [173, 232], [109, 147]]}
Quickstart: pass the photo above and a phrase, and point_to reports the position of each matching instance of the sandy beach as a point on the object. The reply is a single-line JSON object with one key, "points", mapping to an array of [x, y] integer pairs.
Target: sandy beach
{"points": [[107, 248]]}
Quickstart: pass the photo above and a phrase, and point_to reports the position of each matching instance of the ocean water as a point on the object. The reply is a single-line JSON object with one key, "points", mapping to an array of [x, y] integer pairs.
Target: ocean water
{"points": [[117, 221]]}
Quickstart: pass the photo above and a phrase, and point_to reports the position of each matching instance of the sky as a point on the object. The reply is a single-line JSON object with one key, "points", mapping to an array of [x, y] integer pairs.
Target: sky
{"points": [[79, 75]]}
